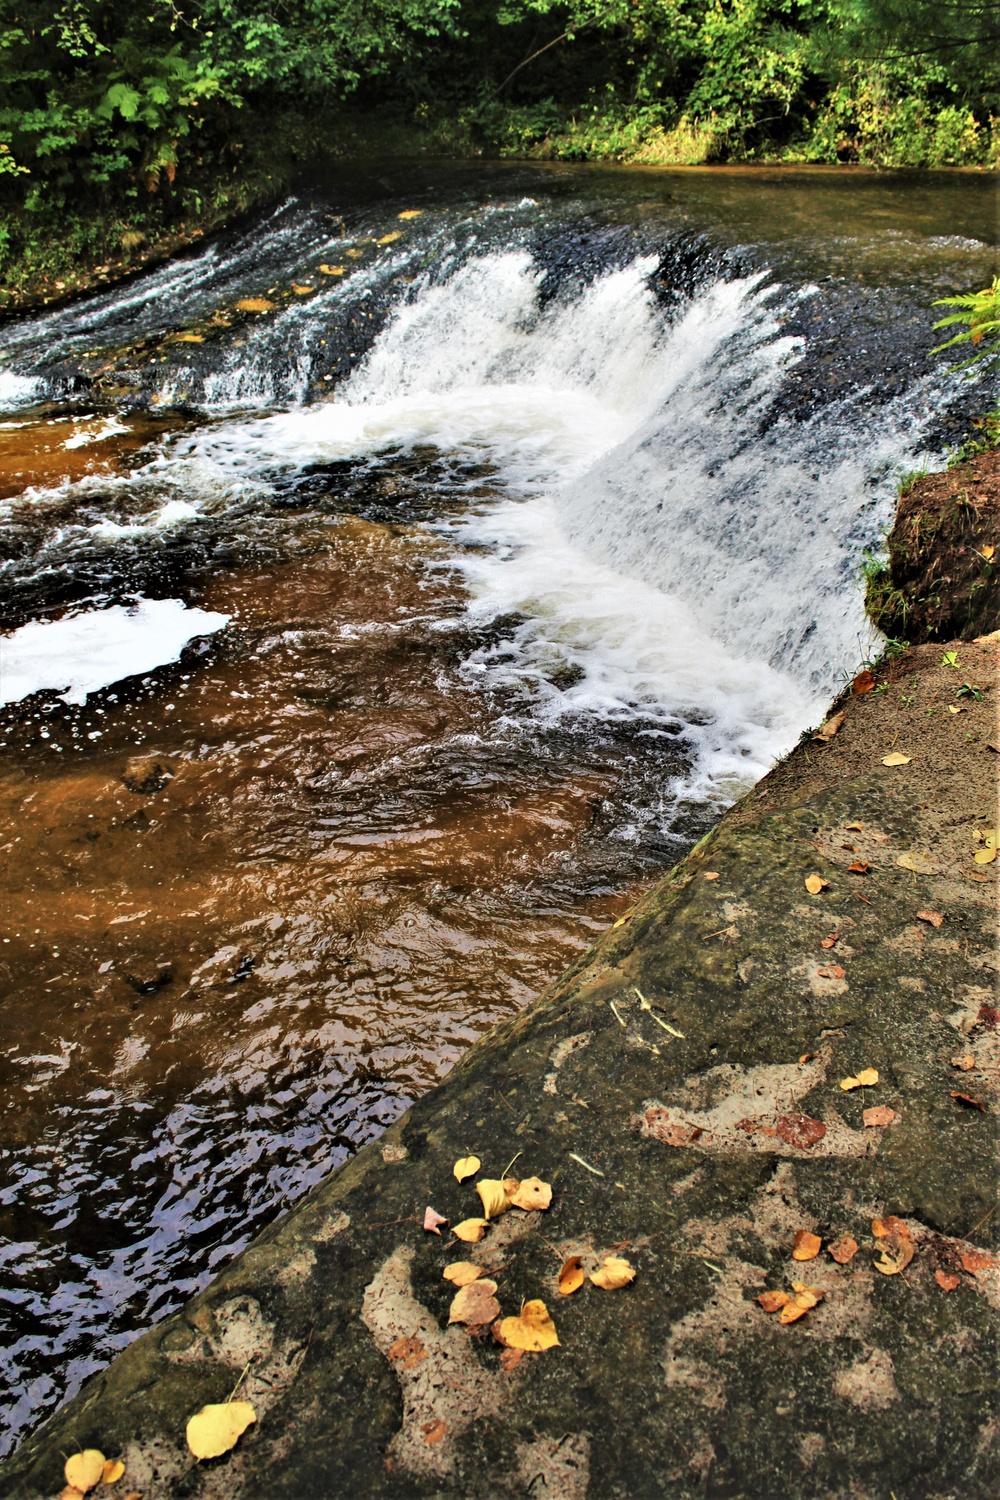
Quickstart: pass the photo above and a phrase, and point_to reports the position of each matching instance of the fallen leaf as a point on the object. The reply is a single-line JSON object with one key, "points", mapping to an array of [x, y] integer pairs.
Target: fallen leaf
{"points": [[189, 338], [806, 1246], [407, 1352], [571, 1277], [977, 1260], [815, 883], [216, 1428], [461, 1272], [986, 552], [807, 1057], [475, 1305], [333, 270], [70, 1493], [968, 1099], [859, 867], [966, 1063], [113, 1471], [255, 304], [772, 1301], [800, 1131], [433, 1220], [466, 1166], [946, 1281], [470, 1230], [355, 254], [532, 1330], [918, 863], [828, 942], [956, 709], [390, 239], [863, 683], [896, 758], [612, 1273], [844, 1249], [494, 1198], [854, 827], [866, 1079], [832, 971], [532, 1193], [933, 917], [434, 1431], [621, 921], [511, 1358], [895, 1254], [879, 1114], [711, 875], [410, 213], [985, 856], [302, 291], [831, 726], [805, 1297], [84, 1470]]}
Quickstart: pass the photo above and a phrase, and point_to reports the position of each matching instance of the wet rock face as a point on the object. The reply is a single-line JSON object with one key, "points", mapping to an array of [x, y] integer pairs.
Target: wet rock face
{"points": [[793, 1038], [943, 579]]}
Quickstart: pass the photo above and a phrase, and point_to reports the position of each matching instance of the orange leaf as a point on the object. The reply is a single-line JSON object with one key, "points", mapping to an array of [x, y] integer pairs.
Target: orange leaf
{"points": [[863, 683], [844, 1249], [612, 1273], [859, 867], [933, 917], [946, 1281], [977, 1260], [800, 1131], [711, 875], [434, 1431], [828, 942], [407, 1352], [511, 1358], [815, 883], [571, 1277], [532, 1330], [879, 1114], [771, 1301], [968, 1100], [113, 1471], [832, 971], [806, 1246], [530, 1194]]}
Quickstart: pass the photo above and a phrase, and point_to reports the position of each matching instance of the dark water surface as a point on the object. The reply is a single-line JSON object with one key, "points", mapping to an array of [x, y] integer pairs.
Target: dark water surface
{"points": [[538, 532]]}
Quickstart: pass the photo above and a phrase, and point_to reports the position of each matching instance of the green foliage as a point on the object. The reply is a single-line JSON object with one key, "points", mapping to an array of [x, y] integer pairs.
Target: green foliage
{"points": [[979, 312]]}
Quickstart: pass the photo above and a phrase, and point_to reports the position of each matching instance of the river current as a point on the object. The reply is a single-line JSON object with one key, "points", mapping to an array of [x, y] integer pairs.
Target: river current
{"points": [[392, 588]]}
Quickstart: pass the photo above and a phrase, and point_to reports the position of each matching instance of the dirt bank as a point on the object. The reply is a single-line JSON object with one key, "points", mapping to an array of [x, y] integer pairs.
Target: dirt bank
{"points": [[681, 1091]]}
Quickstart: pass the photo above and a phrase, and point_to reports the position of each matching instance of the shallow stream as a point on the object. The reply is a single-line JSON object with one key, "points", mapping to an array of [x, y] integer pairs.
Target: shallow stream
{"points": [[370, 646]]}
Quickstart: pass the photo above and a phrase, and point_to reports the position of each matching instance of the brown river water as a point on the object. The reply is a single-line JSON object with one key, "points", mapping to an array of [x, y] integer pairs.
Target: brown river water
{"points": [[488, 662]]}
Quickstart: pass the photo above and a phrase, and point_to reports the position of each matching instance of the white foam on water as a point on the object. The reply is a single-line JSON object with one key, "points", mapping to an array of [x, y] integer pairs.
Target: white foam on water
{"points": [[18, 390], [80, 654]]}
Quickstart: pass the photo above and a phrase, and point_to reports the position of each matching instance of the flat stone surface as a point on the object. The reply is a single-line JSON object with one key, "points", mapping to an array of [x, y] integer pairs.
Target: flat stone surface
{"points": [[680, 1090]]}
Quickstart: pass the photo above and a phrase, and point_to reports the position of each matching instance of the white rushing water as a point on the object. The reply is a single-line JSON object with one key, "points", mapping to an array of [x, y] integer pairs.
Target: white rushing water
{"points": [[689, 558]]}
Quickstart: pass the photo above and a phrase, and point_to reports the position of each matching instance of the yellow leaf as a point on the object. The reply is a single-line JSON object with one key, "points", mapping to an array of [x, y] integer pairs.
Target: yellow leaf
{"points": [[895, 758], [215, 1429], [410, 213], [985, 856], [805, 1297], [806, 1245], [84, 1470], [571, 1277], [475, 1304], [333, 270], [355, 254], [461, 1272], [532, 1193], [613, 1273], [389, 239], [533, 1330], [494, 1197], [815, 883], [470, 1230], [986, 552], [113, 1471], [466, 1166], [302, 291], [189, 338], [866, 1079], [918, 863], [254, 304]]}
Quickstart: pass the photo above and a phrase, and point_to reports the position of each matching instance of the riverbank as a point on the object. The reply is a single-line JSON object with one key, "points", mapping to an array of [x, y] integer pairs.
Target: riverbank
{"points": [[680, 1089]]}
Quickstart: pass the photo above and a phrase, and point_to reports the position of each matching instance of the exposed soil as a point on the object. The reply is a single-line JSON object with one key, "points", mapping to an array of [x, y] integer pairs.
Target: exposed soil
{"points": [[944, 576]]}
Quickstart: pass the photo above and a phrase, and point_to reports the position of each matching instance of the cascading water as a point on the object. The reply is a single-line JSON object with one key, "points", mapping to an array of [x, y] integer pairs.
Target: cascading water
{"points": [[497, 555]]}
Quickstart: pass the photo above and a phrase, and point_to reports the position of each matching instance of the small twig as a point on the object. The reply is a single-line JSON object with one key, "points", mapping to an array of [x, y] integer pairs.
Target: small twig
{"points": [[507, 1168], [509, 1106], [981, 1222], [618, 1016], [862, 898], [596, 1170], [646, 1006], [239, 1382]]}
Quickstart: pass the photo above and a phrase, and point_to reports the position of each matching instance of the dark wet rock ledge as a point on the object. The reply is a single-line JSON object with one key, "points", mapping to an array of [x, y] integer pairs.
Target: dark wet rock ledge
{"points": [[680, 1090]]}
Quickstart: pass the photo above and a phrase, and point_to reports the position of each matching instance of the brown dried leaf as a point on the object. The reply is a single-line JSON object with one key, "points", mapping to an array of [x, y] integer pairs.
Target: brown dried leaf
{"points": [[571, 1277], [461, 1272], [859, 867], [896, 758], [977, 1260], [772, 1301], [828, 942], [831, 726], [494, 1197], [933, 917], [966, 1063], [470, 1230], [530, 1194], [407, 1352], [612, 1273], [433, 1220], [946, 1281], [806, 1246], [866, 1079], [879, 1114], [968, 1100], [466, 1166], [815, 883], [711, 875], [863, 683], [84, 1470], [113, 1471], [532, 1330], [832, 971], [475, 1305], [805, 1298], [217, 1427], [844, 1249], [511, 1358], [434, 1431], [800, 1131], [896, 1250]]}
